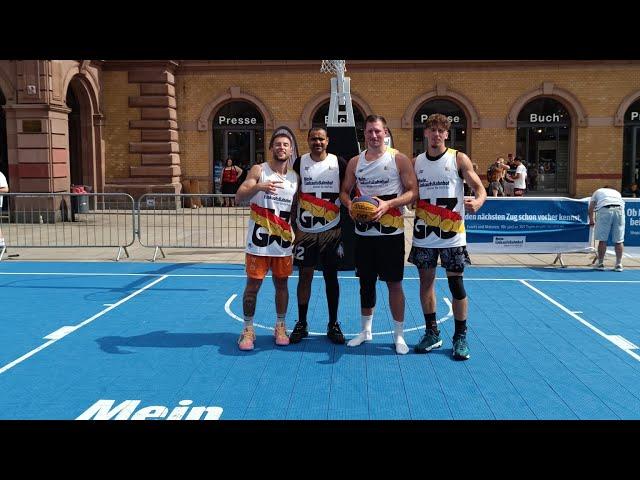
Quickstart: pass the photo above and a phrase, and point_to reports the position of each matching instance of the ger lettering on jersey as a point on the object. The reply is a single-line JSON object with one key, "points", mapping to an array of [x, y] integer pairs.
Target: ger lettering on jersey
{"points": [[439, 220], [380, 178], [319, 196], [269, 231]]}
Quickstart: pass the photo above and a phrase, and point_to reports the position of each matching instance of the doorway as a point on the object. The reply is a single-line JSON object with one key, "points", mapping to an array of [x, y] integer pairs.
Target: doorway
{"points": [[239, 145], [545, 151], [542, 143], [631, 163]]}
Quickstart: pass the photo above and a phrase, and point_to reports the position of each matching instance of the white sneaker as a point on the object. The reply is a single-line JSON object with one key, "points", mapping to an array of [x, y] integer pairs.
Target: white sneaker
{"points": [[364, 336], [600, 266], [401, 345], [618, 268]]}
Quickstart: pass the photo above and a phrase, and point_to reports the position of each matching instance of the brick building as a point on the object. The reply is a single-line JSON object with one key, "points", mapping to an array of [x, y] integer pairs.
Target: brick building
{"points": [[143, 126]]}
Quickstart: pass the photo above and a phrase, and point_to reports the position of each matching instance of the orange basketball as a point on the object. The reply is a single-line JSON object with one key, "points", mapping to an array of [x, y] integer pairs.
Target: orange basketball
{"points": [[363, 208]]}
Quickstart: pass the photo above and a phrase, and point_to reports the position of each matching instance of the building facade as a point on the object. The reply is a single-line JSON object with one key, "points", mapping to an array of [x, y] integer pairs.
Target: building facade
{"points": [[147, 126]]}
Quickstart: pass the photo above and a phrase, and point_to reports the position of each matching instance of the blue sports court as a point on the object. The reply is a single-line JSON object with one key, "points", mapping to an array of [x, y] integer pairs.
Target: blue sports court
{"points": [[126, 341]]}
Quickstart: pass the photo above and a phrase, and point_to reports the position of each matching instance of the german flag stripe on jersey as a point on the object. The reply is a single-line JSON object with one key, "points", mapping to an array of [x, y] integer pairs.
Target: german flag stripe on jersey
{"points": [[272, 223], [440, 217], [319, 207], [393, 218]]}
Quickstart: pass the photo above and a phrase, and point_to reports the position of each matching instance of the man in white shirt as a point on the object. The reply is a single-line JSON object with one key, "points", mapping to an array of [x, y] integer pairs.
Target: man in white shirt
{"points": [[4, 188], [519, 178], [606, 212]]}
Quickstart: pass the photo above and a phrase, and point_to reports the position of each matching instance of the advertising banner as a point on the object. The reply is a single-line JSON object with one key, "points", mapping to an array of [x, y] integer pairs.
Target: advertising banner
{"points": [[529, 225]]}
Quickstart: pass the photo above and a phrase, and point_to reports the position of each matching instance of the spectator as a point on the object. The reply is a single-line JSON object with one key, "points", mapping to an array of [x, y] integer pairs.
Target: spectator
{"points": [[229, 182], [631, 191], [519, 178], [495, 176], [606, 212]]}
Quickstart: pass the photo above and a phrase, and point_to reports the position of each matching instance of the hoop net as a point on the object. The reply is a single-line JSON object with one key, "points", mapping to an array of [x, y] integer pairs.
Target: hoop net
{"points": [[333, 66]]}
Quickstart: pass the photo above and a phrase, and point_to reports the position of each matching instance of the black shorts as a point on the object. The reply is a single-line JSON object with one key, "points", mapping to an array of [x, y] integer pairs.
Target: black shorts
{"points": [[229, 188], [317, 249], [380, 256], [452, 259]]}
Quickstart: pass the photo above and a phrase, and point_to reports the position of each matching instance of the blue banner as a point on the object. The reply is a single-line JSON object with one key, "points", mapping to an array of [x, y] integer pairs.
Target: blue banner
{"points": [[529, 225], [632, 227]]}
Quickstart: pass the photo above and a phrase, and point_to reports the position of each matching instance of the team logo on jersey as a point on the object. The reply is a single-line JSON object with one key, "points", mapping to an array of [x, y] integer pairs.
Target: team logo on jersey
{"points": [[275, 225], [319, 207], [393, 218], [440, 217]]}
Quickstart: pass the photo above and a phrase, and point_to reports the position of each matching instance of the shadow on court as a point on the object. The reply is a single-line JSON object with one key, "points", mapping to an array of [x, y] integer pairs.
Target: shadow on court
{"points": [[227, 345]]}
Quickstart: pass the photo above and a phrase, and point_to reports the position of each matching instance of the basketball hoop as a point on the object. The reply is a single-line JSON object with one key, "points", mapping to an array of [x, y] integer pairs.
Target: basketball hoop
{"points": [[333, 66], [340, 108]]}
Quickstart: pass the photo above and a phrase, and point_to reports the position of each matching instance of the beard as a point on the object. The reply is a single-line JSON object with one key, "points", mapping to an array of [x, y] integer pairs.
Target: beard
{"points": [[282, 160]]}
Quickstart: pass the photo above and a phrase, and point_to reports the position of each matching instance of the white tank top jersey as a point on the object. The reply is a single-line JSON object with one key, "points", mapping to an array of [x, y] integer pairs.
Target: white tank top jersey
{"points": [[439, 220], [380, 178], [319, 196], [269, 232], [3, 184]]}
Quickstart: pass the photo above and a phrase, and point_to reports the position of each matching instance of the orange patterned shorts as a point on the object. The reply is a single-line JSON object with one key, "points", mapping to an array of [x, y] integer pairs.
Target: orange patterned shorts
{"points": [[258, 266]]}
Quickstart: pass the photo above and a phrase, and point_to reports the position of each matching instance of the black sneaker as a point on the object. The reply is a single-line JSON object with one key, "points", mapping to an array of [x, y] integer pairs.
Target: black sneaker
{"points": [[430, 340], [335, 334], [460, 347], [300, 330]]}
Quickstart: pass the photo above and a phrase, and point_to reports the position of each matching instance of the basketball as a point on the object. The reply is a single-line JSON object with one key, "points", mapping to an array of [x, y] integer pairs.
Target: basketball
{"points": [[363, 208]]}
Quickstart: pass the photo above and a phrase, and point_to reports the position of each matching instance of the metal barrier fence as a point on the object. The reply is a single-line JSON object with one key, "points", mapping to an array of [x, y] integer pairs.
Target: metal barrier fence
{"points": [[67, 220], [159, 220], [167, 220]]}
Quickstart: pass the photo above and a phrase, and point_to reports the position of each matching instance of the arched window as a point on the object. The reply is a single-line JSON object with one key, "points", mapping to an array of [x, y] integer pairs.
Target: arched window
{"points": [[542, 141], [631, 145], [238, 132]]}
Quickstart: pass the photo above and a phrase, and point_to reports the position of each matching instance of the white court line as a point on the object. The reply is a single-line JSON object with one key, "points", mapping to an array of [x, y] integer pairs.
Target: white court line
{"points": [[615, 339], [188, 275], [61, 332], [58, 334], [227, 308]]}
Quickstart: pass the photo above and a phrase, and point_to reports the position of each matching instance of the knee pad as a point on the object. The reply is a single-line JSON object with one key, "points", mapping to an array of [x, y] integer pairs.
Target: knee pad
{"points": [[456, 285], [367, 292]]}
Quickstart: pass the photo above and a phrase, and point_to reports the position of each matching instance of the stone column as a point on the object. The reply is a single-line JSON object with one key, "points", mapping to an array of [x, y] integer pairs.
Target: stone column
{"points": [[159, 148]]}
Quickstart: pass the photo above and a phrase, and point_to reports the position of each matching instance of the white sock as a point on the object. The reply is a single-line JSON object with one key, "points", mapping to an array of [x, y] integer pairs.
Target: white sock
{"points": [[280, 319], [365, 334], [398, 338], [366, 321], [248, 321]]}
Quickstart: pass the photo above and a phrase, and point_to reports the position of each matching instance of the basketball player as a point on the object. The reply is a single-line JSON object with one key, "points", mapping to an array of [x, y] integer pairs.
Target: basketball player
{"points": [[271, 186], [439, 229], [318, 240], [387, 175]]}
